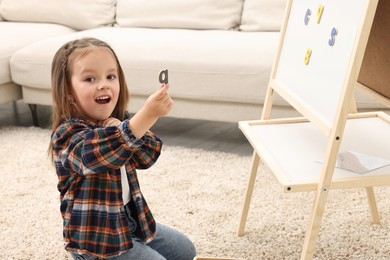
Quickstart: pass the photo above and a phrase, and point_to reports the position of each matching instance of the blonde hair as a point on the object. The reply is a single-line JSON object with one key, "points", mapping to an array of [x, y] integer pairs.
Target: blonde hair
{"points": [[61, 80]]}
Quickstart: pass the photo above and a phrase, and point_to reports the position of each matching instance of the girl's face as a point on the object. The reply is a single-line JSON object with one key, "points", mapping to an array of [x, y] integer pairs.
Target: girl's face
{"points": [[95, 83]]}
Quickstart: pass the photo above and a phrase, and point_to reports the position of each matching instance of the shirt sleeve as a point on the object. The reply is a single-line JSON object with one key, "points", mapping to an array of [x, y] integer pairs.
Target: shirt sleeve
{"points": [[148, 147], [87, 150]]}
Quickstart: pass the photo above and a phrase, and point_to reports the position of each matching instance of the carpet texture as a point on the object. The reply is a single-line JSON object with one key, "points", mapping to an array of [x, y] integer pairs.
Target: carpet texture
{"points": [[199, 193]]}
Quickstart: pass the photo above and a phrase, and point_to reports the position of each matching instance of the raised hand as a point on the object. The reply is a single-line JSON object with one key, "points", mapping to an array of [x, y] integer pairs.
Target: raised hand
{"points": [[159, 103]]}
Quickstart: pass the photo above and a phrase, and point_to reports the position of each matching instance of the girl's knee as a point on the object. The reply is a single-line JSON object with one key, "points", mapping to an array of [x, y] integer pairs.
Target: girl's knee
{"points": [[173, 244]]}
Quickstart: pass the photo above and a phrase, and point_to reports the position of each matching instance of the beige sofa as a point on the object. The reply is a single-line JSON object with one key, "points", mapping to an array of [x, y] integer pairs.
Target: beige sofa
{"points": [[15, 36], [219, 53]]}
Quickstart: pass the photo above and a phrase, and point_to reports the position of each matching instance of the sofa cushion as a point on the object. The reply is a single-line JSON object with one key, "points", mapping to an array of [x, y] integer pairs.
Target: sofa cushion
{"points": [[262, 15], [20, 35], [77, 14], [203, 64], [192, 14]]}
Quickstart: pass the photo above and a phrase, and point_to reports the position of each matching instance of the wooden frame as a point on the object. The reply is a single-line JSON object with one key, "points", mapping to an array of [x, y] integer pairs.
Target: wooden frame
{"points": [[293, 147]]}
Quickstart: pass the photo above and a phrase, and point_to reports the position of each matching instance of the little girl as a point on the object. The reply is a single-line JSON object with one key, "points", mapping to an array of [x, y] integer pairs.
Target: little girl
{"points": [[96, 150]]}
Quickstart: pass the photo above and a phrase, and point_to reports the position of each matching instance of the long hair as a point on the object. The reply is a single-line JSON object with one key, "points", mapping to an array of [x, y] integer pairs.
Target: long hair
{"points": [[61, 81]]}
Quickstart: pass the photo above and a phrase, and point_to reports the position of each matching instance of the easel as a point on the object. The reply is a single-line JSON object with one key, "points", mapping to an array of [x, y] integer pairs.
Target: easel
{"points": [[318, 80]]}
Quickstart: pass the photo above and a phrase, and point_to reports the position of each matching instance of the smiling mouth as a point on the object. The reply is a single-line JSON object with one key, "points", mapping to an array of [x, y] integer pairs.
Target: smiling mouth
{"points": [[103, 100]]}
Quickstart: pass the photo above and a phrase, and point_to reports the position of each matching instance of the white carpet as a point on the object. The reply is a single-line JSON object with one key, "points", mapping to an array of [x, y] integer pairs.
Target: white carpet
{"points": [[198, 192]]}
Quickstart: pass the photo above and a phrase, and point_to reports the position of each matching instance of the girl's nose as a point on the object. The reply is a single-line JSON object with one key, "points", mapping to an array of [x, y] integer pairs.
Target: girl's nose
{"points": [[103, 85]]}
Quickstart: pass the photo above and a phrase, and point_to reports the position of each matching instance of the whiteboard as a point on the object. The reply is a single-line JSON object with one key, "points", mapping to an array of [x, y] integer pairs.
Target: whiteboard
{"points": [[319, 83]]}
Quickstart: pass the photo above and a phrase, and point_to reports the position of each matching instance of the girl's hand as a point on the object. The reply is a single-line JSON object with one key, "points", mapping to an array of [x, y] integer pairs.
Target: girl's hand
{"points": [[111, 121], [159, 103]]}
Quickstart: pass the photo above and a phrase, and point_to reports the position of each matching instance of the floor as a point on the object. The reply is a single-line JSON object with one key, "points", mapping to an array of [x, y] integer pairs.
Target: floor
{"points": [[208, 135]]}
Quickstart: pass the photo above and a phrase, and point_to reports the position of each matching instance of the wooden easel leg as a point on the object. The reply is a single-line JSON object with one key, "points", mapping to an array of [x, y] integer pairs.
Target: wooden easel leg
{"points": [[249, 191], [314, 225], [373, 207], [316, 218]]}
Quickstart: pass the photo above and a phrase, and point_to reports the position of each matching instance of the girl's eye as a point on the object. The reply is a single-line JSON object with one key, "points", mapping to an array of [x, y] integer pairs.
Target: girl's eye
{"points": [[111, 77], [89, 79]]}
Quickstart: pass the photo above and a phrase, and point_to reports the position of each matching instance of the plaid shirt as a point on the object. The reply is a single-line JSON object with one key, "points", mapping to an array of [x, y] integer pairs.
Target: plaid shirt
{"points": [[88, 160]]}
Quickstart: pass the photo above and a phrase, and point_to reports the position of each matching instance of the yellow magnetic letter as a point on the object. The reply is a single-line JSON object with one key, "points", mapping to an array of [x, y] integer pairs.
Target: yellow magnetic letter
{"points": [[307, 57], [319, 13]]}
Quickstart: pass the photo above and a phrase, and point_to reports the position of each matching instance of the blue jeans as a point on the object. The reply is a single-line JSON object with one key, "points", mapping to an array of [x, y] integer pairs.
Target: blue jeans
{"points": [[168, 244]]}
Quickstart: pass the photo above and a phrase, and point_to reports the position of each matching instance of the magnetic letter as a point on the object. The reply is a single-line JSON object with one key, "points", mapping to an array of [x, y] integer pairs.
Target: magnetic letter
{"points": [[332, 39], [319, 13], [163, 76], [307, 57], [307, 16]]}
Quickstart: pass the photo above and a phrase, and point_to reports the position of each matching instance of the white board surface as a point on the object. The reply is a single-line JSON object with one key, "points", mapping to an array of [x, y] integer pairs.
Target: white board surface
{"points": [[319, 84]]}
